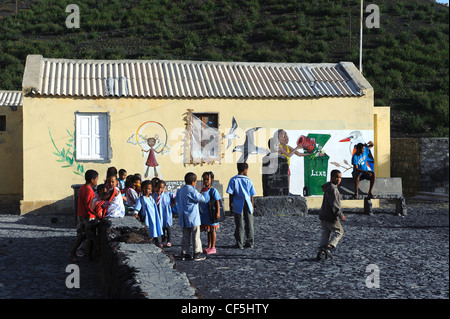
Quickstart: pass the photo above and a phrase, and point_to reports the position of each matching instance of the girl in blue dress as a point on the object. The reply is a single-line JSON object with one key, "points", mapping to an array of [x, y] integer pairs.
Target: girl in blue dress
{"points": [[207, 225], [148, 212], [164, 202]]}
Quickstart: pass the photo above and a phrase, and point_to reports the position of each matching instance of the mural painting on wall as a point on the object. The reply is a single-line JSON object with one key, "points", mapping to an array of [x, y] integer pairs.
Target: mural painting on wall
{"points": [[323, 152], [281, 139], [316, 154], [66, 155], [151, 137], [249, 147]]}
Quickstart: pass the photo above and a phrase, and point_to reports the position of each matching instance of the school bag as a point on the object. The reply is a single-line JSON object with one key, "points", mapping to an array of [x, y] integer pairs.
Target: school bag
{"points": [[101, 207], [213, 208]]}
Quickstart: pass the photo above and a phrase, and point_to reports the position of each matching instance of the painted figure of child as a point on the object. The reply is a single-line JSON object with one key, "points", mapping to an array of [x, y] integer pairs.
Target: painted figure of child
{"points": [[151, 160]]}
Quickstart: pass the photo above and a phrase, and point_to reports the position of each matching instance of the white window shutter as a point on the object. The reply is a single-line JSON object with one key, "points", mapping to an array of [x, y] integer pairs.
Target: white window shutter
{"points": [[99, 132], [91, 136], [83, 136]]}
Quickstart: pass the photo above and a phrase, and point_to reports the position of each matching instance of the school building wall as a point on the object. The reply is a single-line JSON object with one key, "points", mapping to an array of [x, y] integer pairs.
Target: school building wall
{"points": [[11, 155], [48, 123]]}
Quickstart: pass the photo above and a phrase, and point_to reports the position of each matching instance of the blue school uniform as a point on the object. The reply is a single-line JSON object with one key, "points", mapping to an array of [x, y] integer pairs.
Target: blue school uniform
{"points": [[211, 194], [164, 209], [242, 189], [121, 184], [150, 213], [187, 206]]}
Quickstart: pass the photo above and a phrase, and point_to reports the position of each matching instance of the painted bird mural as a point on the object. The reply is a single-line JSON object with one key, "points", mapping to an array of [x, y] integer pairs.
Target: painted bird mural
{"points": [[355, 138], [249, 147], [231, 134]]}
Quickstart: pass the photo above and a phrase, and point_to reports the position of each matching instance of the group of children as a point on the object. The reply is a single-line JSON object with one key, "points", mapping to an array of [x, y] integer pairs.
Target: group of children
{"points": [[151, 204]]}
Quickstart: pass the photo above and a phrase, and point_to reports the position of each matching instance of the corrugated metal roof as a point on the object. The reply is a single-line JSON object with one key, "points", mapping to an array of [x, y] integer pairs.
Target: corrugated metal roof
{"points": [[13, 99], [193, 79]]}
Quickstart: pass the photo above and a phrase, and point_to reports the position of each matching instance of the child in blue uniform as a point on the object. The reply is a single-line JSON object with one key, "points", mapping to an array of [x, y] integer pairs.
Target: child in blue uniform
{"points": [[148, 212], [241, 191], [207, 225], [164, 202], [122, 179], [189, 217]]}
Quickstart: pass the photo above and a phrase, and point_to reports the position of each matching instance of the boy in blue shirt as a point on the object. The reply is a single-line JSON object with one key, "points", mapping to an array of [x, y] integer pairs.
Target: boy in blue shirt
{"points": [[122, 179], [361, 169], [187, 199], [241, 191]]}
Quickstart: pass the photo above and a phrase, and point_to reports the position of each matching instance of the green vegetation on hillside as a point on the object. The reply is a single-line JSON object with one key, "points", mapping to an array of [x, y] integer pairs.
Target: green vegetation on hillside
{"points": [[406, 59]]}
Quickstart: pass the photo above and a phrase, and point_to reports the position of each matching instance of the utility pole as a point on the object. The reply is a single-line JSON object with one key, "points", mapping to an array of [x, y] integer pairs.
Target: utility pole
{"points": [[360, 37], [350, 31], [15, 17]]}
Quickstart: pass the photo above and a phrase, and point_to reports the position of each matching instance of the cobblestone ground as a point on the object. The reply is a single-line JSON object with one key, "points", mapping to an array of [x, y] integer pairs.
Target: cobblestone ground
{"points": [[34, 256], [411, 253]]}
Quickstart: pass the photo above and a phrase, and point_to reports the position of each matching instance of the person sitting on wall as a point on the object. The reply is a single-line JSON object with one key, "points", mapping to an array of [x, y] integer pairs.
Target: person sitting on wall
{"points": [[361, 169]]}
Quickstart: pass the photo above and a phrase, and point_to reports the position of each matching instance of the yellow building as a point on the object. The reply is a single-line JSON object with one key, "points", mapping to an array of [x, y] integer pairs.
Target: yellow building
{"points": [[11, 154], [167, 118]]}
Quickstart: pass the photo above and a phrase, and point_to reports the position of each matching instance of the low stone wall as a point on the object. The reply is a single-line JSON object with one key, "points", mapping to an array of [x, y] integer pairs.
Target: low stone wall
{"points": [[134, 268], [280, 205], [422, 163], [434, 165]]}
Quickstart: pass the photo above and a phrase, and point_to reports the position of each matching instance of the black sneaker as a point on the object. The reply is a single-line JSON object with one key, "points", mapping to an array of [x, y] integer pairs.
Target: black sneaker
{"points": [[321, 255], [185, 256], [327, 252], [199, 256], [249, 245]]}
